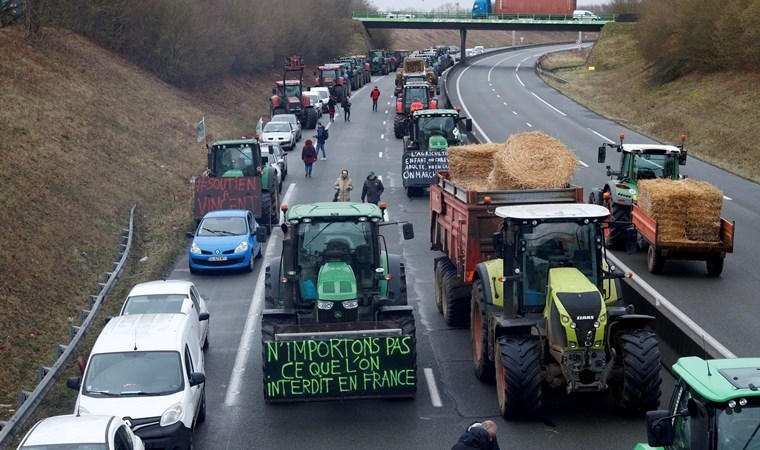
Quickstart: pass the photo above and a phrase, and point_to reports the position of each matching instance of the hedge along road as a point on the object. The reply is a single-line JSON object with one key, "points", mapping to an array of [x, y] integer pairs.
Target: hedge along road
{"points": [[504, 96]]}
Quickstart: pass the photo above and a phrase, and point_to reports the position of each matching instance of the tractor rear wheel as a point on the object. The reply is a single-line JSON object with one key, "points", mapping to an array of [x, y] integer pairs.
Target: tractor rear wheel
{"points": [[269, 302], [655, 262], [715, 266], [484, 367], [399, 126], [401, 294], [438, 289], [518, 381], [616, 235], [639, 389], [311, 118], [454, 296], [266, 211]]}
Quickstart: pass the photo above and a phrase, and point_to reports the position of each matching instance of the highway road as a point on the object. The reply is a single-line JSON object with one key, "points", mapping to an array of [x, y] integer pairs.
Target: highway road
{"points": [[449, 396]]}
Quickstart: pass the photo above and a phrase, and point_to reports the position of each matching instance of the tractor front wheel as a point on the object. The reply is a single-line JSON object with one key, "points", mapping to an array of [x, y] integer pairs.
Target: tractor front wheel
{"points": [[616, 236], [311, 118], [269, 302], [518, 380], [484, 367], [399, 126], [639, 389], [266, 211], [454, 302]]}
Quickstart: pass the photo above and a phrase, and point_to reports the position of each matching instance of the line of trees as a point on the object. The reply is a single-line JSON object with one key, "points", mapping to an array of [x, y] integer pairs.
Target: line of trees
{"points": [[184, 41]]}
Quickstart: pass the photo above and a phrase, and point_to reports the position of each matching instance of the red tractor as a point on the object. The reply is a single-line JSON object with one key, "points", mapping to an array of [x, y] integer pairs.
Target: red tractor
{"points": [[414, 96], [331, 77], [288, 97]]}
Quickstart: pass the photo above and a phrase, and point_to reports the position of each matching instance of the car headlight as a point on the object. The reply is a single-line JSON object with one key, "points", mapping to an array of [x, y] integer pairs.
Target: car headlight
{"points": [[324, 305], [172, 415], [243, 246], [195, 249]]}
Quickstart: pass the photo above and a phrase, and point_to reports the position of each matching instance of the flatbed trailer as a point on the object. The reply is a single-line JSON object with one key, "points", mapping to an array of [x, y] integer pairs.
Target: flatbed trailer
{"points": [[713, 253], [462, 225]]}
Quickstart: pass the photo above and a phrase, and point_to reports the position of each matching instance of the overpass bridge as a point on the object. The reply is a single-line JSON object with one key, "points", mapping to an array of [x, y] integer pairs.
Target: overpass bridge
{"points": [[464, 22]]}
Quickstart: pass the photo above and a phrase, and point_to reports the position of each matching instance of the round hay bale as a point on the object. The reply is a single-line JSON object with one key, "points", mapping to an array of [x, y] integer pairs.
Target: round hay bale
{"points": [[467, 161]]}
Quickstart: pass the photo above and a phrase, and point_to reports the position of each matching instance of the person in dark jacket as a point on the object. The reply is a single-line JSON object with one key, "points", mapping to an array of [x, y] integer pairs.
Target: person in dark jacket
{"points": [[374, 95], [321, 138], [372, 189], [475, 438], [331, 108], [489, 426], [309, 156], [346, 105]]}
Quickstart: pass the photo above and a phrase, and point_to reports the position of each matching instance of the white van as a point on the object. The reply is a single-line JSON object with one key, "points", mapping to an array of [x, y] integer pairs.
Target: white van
{"points": [[149, 370], [582, 14]]}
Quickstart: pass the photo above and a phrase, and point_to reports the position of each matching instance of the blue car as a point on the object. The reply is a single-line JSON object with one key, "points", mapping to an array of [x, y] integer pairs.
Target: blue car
{"points": [[226, 239]]}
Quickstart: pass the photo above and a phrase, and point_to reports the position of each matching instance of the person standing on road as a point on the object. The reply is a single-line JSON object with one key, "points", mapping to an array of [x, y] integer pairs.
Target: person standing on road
{"points": [[331, 108], [346, 105], [374, 95], [309, 156], [372, 189], [343, 187], [321, 138]]}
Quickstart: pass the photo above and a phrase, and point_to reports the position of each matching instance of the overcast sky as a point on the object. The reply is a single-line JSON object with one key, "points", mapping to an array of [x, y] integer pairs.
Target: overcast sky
{"points": [[425, 5]]}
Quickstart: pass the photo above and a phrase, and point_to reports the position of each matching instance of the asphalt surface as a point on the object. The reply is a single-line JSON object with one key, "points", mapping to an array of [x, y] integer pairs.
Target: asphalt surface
{"points": [[449, 396]]}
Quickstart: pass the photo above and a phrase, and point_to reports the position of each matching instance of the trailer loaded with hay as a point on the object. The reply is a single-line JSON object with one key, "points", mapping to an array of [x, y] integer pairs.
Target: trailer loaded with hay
{"points": [[680, 219], [530, 168]]}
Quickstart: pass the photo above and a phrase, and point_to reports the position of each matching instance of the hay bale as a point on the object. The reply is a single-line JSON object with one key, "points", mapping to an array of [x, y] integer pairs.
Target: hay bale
{"points": [[471, 161], [473, 183], [532, 160], [685, 210]]}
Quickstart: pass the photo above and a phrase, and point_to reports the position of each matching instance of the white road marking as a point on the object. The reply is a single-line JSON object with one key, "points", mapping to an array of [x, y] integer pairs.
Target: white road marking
{"points": [[727, 198], [385, 121], [382, 136], [514, 112], [527, 58], [528, 124], [547, 104], [518, 79], [505, 103], [246, 340], [601, 136], [582, 163], [435, 397], [498, 96], [380, 155]]}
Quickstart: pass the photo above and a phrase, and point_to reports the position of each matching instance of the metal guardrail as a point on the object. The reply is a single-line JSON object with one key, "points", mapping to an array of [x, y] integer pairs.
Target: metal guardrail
{"points": [[29, 401], [540, 70]]}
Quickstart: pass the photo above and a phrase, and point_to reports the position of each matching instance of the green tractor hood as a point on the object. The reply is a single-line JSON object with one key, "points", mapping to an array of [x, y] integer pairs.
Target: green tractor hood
{"points": [[574, 307], [438, 143], [336, 282]]}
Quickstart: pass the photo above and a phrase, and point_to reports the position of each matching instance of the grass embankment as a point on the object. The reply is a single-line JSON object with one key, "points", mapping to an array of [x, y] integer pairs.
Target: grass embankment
{"points": [[717, 111]]}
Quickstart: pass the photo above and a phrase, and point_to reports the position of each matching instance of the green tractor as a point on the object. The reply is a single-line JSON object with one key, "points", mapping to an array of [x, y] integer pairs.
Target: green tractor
{"points": [[336, 299], [237, 178], [715, 405], [549, 312], [637, 162], [379, 61]]}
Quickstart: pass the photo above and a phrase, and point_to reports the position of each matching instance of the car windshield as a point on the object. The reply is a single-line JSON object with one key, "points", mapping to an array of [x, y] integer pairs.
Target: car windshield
{"points": [[285, 118], [133, 374], [222, 226], [277, 127], [87, 446], [154, 303], [739, 427], [556, 245], [324, 94]]}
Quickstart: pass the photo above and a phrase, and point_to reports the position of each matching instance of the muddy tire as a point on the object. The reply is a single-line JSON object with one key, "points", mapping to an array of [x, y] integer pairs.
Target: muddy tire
{"points": [[617, 233], [483, 366], [518, 380], [639, 389], [455, 297]]}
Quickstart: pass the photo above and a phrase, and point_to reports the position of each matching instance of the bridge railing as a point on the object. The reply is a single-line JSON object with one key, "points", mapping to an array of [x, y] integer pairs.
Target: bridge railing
{"points": [[422, 16]]}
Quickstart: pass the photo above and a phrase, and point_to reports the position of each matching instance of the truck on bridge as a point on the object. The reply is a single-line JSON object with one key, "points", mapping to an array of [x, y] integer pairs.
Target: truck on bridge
{"points": [[484, 8]]}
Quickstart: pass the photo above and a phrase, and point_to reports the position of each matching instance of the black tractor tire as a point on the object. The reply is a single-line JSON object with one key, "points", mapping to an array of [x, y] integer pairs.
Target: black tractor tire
{"points": [[455, 297], [715, 266], [385, 70], [311, 118], [617, 233], [274, 200], [266, 211], [518, 376], [400, 298], [639, 389], [269, 300], [438, 293], [339, 91], [483, 366], [399, 126], [655, 261], [408, 325]]}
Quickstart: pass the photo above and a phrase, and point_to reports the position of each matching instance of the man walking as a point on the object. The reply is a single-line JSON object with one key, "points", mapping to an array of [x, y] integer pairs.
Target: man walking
{"points": [[346, 105], [343, 187], [374, 95], [321, 138], [372, 189]]}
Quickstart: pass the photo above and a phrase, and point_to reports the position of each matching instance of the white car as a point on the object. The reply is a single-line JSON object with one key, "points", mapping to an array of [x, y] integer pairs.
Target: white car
{"points": [[315, 101], [277, 156], [293, 121], [478, 49], [582, 14], [324, 96], [81, 432], [281, 133], [169, 296]]}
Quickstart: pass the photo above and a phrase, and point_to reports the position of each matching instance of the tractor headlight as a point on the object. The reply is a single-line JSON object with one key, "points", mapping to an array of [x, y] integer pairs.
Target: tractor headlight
{"points": [[602, 318], [324, 305], [596, 324], [573, 344], [194, 249], [597, 344], [565, 319], [350, 304], [573, 325], [243, 246]]}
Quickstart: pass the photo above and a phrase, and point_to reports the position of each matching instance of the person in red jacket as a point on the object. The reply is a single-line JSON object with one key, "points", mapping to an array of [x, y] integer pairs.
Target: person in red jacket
{"points": [[309, 156], [374, 95]]}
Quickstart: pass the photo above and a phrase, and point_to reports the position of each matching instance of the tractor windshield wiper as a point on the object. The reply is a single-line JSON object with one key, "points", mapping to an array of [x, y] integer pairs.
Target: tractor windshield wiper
{"points": [[315, 236], [751, 438]]}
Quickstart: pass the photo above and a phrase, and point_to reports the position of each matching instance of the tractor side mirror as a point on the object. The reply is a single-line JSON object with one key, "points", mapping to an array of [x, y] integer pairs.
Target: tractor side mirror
{"points": [[660, 431], [631, 240], [602, 155], [498, 244], [407, 230], [261, 234], [682, 158], [468, 125]]}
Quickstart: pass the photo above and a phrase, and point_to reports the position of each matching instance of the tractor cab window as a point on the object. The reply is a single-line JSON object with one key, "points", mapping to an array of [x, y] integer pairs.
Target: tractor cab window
{"points": [[235, 162], [549, 245], [738, 427], [419, 93], [648, 166], [682, 425], [330, 73], [436, 126], [292, 91]]}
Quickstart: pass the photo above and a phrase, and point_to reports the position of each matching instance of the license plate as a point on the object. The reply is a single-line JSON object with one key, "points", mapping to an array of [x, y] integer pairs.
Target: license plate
{"points": [[217, 258]]}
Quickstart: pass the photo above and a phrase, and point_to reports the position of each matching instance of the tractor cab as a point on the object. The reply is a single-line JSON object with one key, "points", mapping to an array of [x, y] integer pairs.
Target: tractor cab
{"points": [[645, 161], [287, 95], [554, 253], [228, 159], [436, 129], [419, 91]]}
